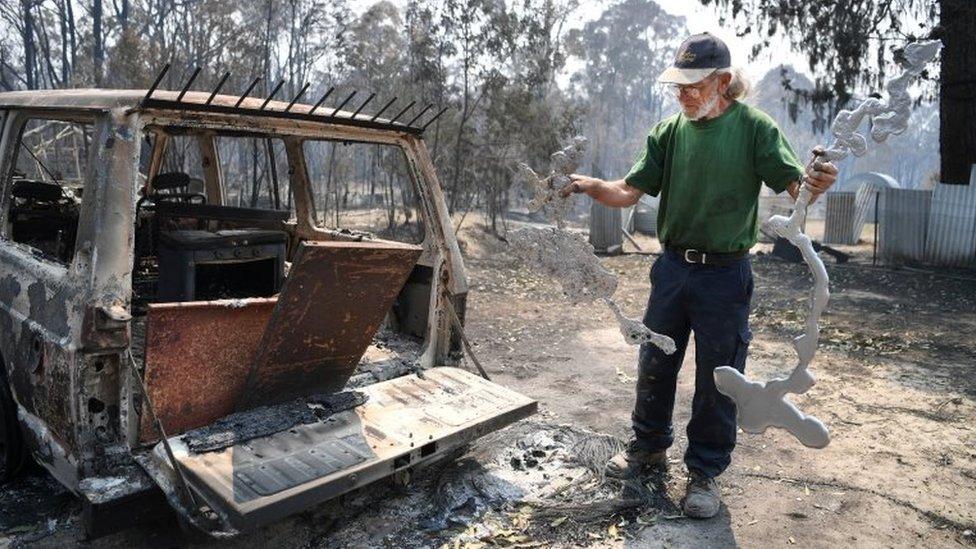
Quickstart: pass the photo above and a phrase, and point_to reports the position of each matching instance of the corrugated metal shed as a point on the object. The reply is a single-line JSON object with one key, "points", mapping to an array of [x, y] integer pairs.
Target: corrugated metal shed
{"points": [[904, 219], [951, 237], [839, 223], [605, 225]]}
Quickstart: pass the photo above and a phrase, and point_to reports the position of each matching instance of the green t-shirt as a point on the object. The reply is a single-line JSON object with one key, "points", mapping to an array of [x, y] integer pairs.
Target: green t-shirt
{"points": [[709, 173]]}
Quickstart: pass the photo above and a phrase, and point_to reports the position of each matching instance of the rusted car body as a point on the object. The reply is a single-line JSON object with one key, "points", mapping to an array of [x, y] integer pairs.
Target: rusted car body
{"points": [[91, 379]]}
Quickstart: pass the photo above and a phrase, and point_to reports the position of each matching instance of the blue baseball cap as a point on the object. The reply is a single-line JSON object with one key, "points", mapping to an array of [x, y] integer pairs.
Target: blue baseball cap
{"points": [[697, 58]]}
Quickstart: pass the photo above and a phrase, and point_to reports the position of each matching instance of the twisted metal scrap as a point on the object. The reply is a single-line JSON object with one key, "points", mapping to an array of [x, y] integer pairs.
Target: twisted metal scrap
{"points": [[562, 164], [762, 405]]}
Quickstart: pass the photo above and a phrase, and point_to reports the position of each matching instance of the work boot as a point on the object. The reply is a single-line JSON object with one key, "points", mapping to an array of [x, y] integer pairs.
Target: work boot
{"points": [[702, 498], [633, 462]]}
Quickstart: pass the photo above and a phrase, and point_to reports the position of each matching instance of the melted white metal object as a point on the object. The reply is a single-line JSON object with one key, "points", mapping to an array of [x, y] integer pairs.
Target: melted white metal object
{"points": [[569, 258], [887, 117], [546, 189], [762, 405]]}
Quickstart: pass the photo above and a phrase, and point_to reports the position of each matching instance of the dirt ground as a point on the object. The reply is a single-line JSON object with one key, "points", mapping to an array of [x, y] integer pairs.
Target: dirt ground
{"points": [[895, 385]]}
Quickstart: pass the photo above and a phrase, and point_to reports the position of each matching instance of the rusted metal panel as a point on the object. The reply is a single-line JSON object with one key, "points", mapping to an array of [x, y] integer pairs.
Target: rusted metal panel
{"points": [[839, 223], [198, 355], [331, 305], [903, 225], [951, 238], [404, 422]]}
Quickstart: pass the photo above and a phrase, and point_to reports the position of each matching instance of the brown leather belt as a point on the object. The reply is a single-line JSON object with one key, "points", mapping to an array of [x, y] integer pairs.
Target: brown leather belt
{"points": [[700, 257]]}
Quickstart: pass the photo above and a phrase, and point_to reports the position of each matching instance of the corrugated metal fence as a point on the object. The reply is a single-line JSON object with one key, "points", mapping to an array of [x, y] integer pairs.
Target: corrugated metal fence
{"points": [[935, 227], [904, 219], [839, 222], [951, 236]]}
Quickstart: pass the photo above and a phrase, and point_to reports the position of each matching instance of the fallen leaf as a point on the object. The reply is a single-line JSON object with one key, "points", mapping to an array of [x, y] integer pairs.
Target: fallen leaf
{"points": [[792, 541], [613, 531], [557, 522]]}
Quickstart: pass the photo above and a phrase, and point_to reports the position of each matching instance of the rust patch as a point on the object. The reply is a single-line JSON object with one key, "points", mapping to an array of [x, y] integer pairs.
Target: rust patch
{"points": [[331, 305], [197, 358]]}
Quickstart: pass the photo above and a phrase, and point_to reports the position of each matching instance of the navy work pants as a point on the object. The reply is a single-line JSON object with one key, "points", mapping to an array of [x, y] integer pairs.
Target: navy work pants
{"points": [[714, 302]]}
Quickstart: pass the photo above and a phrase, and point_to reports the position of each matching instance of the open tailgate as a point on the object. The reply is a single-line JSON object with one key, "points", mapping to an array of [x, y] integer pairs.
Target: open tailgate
{"points": [[405, 421]]}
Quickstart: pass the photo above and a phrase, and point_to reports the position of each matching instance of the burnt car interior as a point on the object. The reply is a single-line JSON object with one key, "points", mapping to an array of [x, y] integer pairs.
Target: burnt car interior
{"points": [[207, 233], [46, 187], [188, 248], [207, 236]]}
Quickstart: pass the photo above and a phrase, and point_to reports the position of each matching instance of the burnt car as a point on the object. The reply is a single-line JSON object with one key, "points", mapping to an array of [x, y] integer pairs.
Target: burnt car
{"points": [[203, 305]]}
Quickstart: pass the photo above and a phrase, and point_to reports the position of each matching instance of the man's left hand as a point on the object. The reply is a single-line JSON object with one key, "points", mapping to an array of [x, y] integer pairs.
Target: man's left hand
{"points": [[819, 177]]}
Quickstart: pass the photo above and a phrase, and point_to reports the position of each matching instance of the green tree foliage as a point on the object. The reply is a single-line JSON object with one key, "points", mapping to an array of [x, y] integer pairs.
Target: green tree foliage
{"points": [[623, 52], [848, 42], [850, 45]]}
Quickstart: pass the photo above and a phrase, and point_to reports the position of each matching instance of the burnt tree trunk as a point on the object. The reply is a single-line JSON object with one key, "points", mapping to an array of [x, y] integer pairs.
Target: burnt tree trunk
{"points": [[72, 34], [98, 46], [957, 97], [30, 54]]}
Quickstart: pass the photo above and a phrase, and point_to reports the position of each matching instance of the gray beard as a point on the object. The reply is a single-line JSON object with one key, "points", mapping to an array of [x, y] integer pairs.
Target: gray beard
{"points": [[703, 111]]}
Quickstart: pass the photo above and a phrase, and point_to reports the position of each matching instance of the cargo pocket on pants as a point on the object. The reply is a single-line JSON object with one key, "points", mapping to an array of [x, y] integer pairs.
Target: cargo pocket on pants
{"points": [[742, 350]]}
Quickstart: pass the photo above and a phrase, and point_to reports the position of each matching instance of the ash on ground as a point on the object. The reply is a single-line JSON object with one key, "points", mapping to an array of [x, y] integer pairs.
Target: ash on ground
{"points": [[533, 481]]}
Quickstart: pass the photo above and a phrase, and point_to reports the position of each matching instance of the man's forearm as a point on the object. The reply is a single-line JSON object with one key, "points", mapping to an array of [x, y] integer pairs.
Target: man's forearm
{"points": [[611, 193]]}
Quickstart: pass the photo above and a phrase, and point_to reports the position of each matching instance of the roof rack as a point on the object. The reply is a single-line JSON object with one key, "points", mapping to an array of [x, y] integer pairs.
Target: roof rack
{"points": [[328, 115]]}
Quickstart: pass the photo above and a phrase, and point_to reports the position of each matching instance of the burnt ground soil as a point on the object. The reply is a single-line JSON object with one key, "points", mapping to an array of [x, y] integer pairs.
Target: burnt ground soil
{"points": [[895, 384]]}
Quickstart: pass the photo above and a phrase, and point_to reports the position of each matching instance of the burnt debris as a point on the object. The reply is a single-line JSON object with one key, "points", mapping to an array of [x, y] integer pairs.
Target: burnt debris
{"points": [[267, 420]]}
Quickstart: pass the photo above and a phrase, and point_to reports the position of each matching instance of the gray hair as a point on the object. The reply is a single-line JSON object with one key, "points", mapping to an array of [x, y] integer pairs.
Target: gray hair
{"points": [[739, 87]]}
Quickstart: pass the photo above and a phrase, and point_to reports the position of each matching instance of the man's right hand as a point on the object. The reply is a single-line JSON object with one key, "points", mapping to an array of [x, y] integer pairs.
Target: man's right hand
{"points": [[579, 184]]}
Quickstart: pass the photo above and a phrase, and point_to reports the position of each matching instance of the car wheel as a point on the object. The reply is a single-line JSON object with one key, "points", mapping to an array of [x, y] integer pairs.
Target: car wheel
{"points": [[11, 438]]}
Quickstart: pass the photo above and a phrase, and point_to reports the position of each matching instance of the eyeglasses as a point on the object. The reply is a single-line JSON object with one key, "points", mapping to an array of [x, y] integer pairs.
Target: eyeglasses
{"points": [[693, 91]]}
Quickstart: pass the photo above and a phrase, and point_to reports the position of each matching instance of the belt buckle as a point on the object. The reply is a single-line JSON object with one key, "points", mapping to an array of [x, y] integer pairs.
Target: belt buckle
{"points": [[689, 260]]}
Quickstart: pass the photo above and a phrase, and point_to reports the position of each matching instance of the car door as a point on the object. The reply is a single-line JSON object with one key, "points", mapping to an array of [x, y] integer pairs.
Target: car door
{"points": [[44, 167]]}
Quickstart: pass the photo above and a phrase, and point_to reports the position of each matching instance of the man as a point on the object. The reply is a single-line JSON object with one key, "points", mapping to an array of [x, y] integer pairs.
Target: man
{"points": [[707, 163]]}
